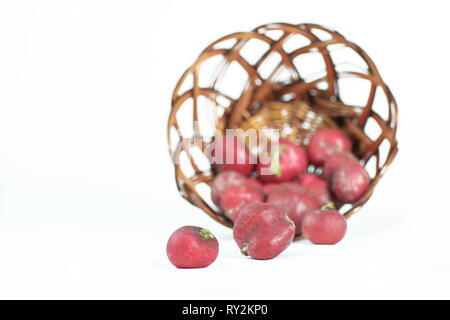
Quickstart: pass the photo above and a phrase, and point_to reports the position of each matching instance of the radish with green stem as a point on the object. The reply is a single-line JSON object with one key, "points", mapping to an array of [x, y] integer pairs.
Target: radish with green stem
{"points": [[285, 163], [192, 247]]}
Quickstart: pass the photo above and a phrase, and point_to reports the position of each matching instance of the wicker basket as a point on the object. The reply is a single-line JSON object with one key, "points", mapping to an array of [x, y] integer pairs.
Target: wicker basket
{"points": [[296, 78]]}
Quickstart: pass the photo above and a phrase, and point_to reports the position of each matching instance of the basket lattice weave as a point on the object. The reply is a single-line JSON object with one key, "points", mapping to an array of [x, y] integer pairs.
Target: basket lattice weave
{"points": [[259, 80]]}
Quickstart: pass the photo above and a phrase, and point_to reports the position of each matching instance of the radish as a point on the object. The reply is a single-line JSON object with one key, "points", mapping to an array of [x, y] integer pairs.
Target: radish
{"points": [[336, 161], [192, 247], [324, 226], [236, 198], [255, 183], [268, 187], [263, 231], [325, 143], [287, 186], [308, 178], [287, 162], [349, 183], [223, 181], [231, 154], [320, 190], [296, 204]]}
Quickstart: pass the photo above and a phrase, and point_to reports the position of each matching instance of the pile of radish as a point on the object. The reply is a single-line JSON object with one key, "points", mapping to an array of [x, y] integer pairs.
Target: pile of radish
{"points": [[268, 210]]}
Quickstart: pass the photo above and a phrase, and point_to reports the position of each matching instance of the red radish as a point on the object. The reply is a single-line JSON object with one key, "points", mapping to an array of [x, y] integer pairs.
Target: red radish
{"points": [[320, 190], [287, 186], [349, 183], [236, 198], [297, 204], [308, 178], [324, 226], [192, 247], [223, 181], [325, 143], [230, 154], [268, 187], [292, 160], [263, 231], [336, 161], [255, 183]]}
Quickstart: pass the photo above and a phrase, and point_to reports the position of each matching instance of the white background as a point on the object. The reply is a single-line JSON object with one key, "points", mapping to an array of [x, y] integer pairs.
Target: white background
{"points": [[87, 191]]}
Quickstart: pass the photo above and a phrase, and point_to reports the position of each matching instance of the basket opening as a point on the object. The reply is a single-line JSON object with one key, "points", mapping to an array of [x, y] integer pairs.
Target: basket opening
{"points": [[253, 50]]}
